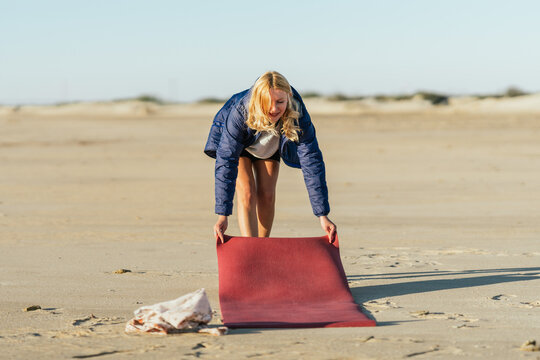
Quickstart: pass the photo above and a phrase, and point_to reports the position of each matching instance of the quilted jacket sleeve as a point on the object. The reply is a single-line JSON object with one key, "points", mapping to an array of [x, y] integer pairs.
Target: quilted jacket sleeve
{"points": [[312, 164], [233, 138]]}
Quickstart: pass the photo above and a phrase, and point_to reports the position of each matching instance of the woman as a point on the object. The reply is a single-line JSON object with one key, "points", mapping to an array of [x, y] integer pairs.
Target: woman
{"points": [[249, 135]]}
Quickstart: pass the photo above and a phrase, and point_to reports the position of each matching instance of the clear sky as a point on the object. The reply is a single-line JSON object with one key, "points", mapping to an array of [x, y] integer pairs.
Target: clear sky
{"points": [[66, 50]]}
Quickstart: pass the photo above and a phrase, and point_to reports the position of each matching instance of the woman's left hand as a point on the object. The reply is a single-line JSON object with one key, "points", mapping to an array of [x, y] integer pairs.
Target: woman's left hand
{"points": [[329, 227]]}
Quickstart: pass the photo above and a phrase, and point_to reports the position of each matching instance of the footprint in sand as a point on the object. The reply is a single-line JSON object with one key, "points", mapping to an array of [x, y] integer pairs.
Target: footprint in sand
{"points": [[530, 304], [407, 340], [503, 297], [403, 340], [207, 345], [86, 326], [423, 352], [366, 339], [78, 322], [464, 326], [457, 252], [92, 320], [378, 305], [426, 314], [513, 301], [451, 350], [112, 352], [71, 334]]}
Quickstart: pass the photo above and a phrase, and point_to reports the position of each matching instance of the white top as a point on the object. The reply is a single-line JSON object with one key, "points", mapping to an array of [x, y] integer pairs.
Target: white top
{"points": [[265, 146]]}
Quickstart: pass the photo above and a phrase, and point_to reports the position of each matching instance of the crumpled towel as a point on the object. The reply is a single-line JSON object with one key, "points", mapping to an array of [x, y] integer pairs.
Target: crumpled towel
{"points": [[191, 311]]}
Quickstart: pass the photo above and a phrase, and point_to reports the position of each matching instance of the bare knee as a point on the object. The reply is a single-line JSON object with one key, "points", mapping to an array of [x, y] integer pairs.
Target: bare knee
{"points": [[266, 196], [246, 196]]}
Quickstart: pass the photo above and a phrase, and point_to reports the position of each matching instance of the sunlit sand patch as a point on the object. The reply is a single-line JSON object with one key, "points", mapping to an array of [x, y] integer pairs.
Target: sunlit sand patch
{"points": [[457, 251]]}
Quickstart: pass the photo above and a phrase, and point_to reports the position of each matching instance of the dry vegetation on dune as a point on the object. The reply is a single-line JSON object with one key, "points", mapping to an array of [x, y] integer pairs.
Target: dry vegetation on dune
{"points": [[513, 101]]}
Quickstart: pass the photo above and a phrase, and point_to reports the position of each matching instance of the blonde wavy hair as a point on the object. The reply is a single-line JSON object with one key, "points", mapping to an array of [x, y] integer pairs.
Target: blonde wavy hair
{"points": [[260, 102]]}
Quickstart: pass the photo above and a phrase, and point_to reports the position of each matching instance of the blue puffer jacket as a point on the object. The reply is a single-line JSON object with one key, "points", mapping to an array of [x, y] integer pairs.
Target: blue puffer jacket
{"points": [[229, 135]]}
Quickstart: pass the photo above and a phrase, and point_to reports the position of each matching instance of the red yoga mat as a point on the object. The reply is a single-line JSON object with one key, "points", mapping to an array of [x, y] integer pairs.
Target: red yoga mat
{"points": [[284, 283]]}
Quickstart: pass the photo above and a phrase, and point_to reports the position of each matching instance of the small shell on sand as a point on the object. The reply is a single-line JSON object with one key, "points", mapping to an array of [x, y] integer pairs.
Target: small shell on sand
{"points": [[32, 308], [530, 345], [122, 271]]}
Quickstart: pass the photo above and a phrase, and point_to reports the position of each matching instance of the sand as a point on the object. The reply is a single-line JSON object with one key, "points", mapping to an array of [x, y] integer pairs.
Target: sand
{"points": [[438, 215]]}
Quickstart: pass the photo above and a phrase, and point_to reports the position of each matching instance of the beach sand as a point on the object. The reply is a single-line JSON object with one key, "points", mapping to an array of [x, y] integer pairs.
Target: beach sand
{"points": [[438, 217]]}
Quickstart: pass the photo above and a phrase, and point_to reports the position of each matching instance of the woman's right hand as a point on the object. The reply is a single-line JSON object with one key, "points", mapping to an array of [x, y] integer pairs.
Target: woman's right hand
{"points": [[220, 227]]}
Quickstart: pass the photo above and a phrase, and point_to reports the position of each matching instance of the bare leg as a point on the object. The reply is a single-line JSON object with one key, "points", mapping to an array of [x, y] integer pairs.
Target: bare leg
{"points": [[266, 175], [246, 197]]}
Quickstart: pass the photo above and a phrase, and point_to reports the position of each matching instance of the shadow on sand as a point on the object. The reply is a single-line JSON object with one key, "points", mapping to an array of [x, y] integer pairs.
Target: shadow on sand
{"points": [[468, 279]]}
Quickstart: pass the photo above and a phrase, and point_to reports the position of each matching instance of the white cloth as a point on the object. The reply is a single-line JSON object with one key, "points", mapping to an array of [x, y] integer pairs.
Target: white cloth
{"points": [[190, 311], [265, 146]]}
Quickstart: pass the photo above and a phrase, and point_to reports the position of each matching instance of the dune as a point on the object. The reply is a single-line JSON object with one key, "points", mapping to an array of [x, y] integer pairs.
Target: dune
{"points": [[527, 104]]}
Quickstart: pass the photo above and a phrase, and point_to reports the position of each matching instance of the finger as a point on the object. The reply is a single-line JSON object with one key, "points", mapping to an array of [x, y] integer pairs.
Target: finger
{"points": [[220, 235], [221, 238], [329, 234]]}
